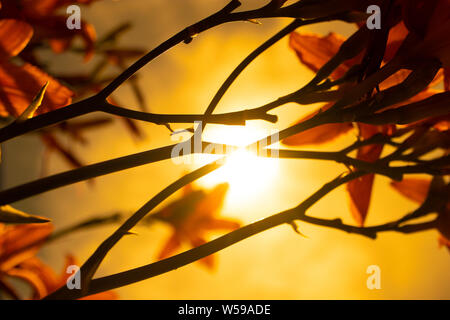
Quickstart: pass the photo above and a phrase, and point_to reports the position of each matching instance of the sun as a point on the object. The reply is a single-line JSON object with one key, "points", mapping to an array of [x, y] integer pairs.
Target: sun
{"points": [[247, 174]]}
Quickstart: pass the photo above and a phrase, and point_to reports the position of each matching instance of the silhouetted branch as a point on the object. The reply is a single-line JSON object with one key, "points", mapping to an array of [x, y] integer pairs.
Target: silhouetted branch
{"points": [[163, 266], [164, 153]]}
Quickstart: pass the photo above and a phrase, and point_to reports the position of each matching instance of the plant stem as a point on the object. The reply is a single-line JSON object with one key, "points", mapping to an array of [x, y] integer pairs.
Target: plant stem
{"points": [[157, 268]]}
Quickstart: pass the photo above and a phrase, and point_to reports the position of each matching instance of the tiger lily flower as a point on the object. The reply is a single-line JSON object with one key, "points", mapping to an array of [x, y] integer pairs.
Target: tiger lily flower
{"points": [[192, 217], [20, 83], [314, 51]]}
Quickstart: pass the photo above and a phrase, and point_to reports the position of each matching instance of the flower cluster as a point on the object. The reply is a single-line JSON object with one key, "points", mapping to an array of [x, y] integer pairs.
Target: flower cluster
{"points": [[396, 79]]}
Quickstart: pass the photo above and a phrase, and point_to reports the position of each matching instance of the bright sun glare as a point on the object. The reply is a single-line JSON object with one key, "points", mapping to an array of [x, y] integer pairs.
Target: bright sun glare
{"points": [[247, 174]]}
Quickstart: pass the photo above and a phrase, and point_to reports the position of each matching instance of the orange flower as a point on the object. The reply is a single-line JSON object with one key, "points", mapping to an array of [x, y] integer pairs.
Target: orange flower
{"points": [[45, 281], [18, 244], [50, 26], [18, 247], [314, 51], [192, 216], [360, 190], [20, 83]]}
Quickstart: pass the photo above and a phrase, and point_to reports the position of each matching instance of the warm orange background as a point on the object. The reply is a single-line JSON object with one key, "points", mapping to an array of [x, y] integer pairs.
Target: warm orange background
{"points": [[278, 264]]}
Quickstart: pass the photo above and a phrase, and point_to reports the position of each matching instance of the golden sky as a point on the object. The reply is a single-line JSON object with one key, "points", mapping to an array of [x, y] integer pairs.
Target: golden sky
{"points": [[278, 264]]}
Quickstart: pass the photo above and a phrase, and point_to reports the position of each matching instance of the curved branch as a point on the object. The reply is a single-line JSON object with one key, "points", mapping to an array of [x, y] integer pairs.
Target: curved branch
{"points": [[87, 172], [182, 259]]}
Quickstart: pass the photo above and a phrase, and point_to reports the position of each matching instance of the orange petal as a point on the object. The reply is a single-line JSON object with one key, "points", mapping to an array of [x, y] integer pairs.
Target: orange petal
{"points": [[442, 123], [170, 247], [371, 153], [395, 79], [447, 79], [43, 271], [33, 279], [360, 191], [21, 242], [89, 37], [212, 201], [60, 45], [413, 189], [314, 50], [208, 261], [396, 36], [19, 85], [444, 242], [321, 134], [14, 36], [223, 224]]}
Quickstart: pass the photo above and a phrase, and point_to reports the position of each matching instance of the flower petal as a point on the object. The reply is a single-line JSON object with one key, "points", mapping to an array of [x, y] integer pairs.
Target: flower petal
{"points": [[318, 135], [19, 85], [396, 36], [223, 224], [208, 261], [212, 201], [444, 242], [33, 279], [46, 275], [447, 79], [21, 242], [360, 190], [170, 247], [412, 188], [314, 51], [14, 36]]}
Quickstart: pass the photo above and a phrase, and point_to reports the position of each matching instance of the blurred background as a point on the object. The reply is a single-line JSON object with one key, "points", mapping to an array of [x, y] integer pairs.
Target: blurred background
{"points": [[277, 264]]}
